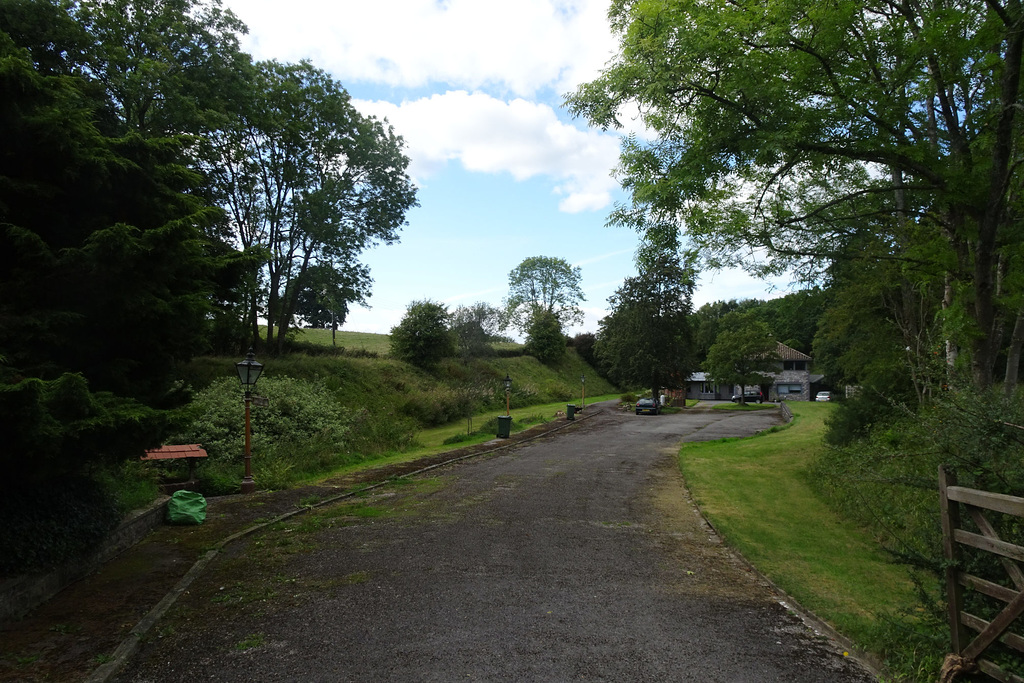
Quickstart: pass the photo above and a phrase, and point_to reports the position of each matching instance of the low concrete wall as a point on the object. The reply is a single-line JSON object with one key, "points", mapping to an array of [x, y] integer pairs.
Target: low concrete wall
{"points": [[20, 595]]}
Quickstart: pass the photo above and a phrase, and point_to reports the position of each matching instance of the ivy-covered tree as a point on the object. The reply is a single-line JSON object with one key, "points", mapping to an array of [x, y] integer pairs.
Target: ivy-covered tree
{"points": [[544, 338]]}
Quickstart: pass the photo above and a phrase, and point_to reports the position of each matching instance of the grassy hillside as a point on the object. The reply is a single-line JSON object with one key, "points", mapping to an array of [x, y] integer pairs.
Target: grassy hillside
{"points": [[388, 404]]}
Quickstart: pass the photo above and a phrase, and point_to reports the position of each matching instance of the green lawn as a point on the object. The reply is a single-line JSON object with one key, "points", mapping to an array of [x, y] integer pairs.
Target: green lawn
{"points": [[365, 341], [756, 493]]}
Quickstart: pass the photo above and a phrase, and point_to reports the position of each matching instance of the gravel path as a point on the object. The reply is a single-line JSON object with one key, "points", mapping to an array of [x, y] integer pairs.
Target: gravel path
{"points": [[574, 557]]}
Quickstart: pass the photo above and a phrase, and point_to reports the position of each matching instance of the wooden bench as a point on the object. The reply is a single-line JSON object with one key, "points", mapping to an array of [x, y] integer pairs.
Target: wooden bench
{"points": [[192, 452]]}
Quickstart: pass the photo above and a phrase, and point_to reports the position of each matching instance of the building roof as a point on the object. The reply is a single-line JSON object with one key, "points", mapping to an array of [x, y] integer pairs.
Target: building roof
{"points": [[789, 353]]}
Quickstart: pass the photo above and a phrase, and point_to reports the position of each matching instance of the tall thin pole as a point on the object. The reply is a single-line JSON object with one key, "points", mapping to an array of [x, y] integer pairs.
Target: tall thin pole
{"points": [[248, 484], [583, 392]]}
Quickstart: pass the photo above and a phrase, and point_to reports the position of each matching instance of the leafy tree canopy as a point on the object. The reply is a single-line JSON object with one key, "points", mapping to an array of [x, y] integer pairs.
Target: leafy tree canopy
{"points": [[475, 327], [544, 338], [808, 132], [543, 283]]}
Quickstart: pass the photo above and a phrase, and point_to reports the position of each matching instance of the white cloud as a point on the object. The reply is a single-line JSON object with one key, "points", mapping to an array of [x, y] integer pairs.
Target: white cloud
{"points": [[519, 47], [489, 135]]}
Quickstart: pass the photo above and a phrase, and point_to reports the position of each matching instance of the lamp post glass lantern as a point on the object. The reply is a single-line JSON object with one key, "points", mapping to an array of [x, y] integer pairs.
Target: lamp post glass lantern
{"points": [[249, 371]]}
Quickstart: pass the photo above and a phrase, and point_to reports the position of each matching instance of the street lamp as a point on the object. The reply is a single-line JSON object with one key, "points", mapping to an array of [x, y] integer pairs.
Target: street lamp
{"points": [[249, 371], [508, 391], [583, 392]]}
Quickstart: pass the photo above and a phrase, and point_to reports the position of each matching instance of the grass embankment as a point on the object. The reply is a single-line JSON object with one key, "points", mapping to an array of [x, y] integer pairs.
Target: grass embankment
{"points": [[438, 439], [395, 411], [756, 492]]}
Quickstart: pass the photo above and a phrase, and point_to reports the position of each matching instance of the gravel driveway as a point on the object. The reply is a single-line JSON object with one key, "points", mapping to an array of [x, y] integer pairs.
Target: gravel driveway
{"points": [[574, 557]]}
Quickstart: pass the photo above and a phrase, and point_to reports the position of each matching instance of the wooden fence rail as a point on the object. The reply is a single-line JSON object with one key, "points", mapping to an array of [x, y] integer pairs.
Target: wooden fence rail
{"points": [[967, 655]]}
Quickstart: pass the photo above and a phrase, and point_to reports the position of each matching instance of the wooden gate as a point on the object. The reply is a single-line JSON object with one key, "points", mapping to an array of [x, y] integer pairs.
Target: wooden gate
{"points": [[967, 653]]}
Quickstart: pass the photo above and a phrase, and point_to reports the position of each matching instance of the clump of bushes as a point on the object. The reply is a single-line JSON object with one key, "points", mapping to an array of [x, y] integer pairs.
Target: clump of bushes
{"points": [[885, 476], [304, 431]]}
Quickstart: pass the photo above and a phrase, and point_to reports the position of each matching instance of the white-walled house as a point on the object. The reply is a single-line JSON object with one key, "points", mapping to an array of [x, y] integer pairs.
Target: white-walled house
{"points": [[791, 381]]}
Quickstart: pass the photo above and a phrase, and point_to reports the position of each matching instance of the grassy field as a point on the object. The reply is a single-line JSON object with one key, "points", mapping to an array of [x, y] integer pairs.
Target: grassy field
{"points": [[756, 493], [370, 342], [362, 341]]}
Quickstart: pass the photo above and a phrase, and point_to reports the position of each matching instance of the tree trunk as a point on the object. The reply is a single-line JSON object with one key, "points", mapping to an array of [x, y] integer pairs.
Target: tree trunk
{"points": [[1013, 355]]}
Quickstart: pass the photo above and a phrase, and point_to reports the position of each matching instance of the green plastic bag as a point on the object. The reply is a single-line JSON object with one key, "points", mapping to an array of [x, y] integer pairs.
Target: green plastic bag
{"points": [[186, 507]]}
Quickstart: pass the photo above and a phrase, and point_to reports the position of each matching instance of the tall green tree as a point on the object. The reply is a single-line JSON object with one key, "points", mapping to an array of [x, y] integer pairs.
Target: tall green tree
{"points": [[646, 338], [808, 132], [104, 279], [543, 284], [172, 66], [744, 353], [309, 184], [545, 340]]}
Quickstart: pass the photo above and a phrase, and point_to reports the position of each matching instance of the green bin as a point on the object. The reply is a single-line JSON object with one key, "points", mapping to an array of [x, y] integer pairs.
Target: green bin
{"points": [[504, 426], [570, 411]]}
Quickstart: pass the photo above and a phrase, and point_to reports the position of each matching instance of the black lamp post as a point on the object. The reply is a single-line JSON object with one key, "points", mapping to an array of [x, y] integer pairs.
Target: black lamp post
{"points": [[249, 371], [583, 392], [508, 391]]}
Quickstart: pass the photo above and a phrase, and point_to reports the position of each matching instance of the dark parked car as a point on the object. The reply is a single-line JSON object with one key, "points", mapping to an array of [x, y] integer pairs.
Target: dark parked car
{"points": [[646, 405], [749, 396]]}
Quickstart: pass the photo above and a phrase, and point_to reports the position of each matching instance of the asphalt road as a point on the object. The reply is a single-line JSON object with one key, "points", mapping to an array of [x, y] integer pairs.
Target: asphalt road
{"points": [[574, 557]]}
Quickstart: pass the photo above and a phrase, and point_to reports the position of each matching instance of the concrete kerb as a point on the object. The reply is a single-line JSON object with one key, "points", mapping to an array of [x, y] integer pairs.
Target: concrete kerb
{"points": [[130, 645], [811, 620]]}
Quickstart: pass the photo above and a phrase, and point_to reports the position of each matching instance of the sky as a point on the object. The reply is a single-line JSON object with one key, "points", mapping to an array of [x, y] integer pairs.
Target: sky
{"points": [[503, 172]]}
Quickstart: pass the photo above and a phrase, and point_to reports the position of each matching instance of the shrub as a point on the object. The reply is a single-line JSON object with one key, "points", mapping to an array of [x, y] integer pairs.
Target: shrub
{"points": [[304, 430], [545, 340], [853, 418], [887, 480], [299, 410], [423, 336]]}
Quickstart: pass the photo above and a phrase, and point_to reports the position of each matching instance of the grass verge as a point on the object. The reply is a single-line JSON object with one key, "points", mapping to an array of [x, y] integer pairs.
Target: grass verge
{"points": [[744, 406], [431, 441], [757, 493]]}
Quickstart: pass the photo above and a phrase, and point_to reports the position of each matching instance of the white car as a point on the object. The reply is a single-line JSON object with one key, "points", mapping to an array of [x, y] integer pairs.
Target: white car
{"points": [[823, 396]]}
